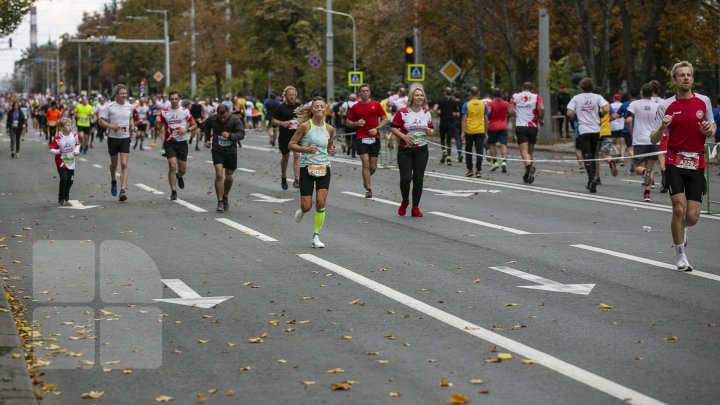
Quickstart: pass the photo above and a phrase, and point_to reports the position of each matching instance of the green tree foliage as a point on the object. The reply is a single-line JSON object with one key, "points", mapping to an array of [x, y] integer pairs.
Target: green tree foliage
{"points": [[12, 13]]}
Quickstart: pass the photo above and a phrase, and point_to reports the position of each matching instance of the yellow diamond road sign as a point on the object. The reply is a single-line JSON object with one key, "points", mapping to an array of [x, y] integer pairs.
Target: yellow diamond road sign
{"points": [[158, 76], [451, 70]]}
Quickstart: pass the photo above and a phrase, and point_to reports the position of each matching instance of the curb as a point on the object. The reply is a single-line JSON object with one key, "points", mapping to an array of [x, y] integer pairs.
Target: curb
{"points": [[15, 386]]}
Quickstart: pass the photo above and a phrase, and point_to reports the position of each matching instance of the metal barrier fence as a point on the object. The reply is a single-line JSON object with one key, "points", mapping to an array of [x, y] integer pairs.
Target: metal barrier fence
{"points": [[709, 147]]}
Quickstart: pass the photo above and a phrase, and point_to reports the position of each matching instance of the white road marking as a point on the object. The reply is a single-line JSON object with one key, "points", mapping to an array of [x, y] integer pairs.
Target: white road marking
{"points": [[209, 161], [576, 373], [648, 261], [188, 296], [545, 284], [459, 193], [267, 198], [148, 188], [188, 205], [82, 159], [372, 199], [247, 231], [261, 148], [550, 171], [77, 205], [97, 165], [633, 181], [242, 169], [481, 223]]}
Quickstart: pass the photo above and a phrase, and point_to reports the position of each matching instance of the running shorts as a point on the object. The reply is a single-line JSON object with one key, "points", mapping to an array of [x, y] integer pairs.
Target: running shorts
{"points": [[142, 127], [642, 149], [310, 183], [372, 149], [605, 144], [174, 149], [498, 136], [284, 143], [616, 134], [118, 145], [227, 159], [688, 181], [526, 134]]}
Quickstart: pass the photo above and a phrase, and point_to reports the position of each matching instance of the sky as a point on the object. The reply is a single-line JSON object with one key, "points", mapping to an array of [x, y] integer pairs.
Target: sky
{"points": [[54, 18]]}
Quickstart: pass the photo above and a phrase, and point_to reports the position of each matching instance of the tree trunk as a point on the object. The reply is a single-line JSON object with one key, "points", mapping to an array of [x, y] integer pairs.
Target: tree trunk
{"points": [[629, 59], [652, 38], [587, 47]]}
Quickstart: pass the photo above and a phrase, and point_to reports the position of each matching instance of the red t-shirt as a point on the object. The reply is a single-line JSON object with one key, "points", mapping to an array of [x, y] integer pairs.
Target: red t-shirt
{"points": [[372, 113], [498, 114], [684, 133]]}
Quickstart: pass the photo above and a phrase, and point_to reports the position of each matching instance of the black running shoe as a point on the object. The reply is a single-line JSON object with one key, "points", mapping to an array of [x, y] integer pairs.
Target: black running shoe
{"points": [[181, 182], [173, 195], [283, 183]]}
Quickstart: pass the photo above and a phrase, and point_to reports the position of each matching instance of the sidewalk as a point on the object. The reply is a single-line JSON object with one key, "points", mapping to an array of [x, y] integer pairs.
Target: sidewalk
{"points": [[15, 387]]}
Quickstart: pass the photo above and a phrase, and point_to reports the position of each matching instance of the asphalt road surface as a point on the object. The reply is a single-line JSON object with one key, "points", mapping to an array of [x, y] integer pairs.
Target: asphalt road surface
{"points": [[503, 293]]}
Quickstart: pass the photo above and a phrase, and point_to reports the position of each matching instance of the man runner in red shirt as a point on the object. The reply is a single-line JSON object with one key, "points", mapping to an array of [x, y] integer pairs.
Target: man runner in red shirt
{"points": [[367, 117], [687, 118]]}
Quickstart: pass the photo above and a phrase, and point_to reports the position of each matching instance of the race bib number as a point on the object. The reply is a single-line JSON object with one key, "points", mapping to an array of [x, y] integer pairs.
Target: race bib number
{"points": [[317, 170], [224, 142], [16, 123], [52, 123], [419, 137], [68, 158], [688, 160], [368, 141], [84, 120]]}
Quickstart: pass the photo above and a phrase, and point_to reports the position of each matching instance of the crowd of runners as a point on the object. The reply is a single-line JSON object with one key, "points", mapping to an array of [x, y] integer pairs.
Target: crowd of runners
{"points": [[639, 128]]}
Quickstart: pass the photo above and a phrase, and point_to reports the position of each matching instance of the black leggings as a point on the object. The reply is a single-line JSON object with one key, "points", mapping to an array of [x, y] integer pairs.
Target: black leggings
{"points": [[479, 141], [412, 163], [447, 134], [15, 139], [66, 181], [587, 143]]}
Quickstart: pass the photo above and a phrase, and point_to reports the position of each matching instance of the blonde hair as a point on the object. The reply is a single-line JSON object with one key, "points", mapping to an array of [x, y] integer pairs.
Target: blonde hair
{"points": [[285, 90], [411, 96], [681, 65], [304, 113], [63, 121]]}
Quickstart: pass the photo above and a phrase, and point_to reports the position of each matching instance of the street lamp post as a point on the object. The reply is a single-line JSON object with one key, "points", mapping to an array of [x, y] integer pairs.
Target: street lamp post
{"points": [[330, 56], [167, 42], [193, 62], [353, 30]]}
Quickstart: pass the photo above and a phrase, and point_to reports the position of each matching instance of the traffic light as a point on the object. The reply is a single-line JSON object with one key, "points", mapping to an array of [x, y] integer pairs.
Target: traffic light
{"points": [[409, 50]]}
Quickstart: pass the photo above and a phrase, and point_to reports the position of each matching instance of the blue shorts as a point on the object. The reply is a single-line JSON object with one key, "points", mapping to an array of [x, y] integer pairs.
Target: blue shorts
{"points": [[498, 136]]}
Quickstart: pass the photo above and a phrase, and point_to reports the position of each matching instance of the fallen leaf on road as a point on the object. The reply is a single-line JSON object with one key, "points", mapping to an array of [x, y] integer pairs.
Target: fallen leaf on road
{"points": [[336, 371], [202, 341], [288, 330], [246, 368], [93, 394], [306, 298], [457, 398], [472, 328], [528, 361], [231, 344], [104, 312], [201, 396], [605, 307], [638, 358], [163, 398], [494, 349], [511, 262], [505, 356], [394, 394], [230, 393], [255, 340], [346, 337], [445, 383], [306, 383], [390, 336], [373, 353], [476, 381], [282, 361], [342, 386], [87, 363], [671, 338], [476, 281], [212, 391], [511, 305], [491, 360], [383, 361], [17, 261], [275, 322], [356, 302]]}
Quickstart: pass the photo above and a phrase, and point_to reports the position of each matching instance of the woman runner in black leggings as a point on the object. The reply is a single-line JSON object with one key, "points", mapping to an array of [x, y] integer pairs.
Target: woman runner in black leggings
{"points": [[412, 124]]}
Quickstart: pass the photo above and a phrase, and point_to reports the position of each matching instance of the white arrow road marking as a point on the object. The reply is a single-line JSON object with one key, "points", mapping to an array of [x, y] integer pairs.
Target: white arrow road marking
{"points": [[242, 169], [188, 205], [97, 165], [545, 284], [459, 193], [267, 198], [476, 222], [188, 296], [583, 376], [648, 261], [372, 199], [247, 231], [148, 188], [77, 205]]}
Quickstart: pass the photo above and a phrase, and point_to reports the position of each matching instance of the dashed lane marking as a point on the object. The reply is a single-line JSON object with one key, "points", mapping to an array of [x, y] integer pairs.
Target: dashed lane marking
{"points": [[247, 231]]}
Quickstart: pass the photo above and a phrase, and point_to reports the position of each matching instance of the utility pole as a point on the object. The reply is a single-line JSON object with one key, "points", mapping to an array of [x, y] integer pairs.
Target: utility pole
{"points": [[79, 89], [228, 66], [329, 54], [193, 61], [544, 70], [417, 39], [89, 58]]}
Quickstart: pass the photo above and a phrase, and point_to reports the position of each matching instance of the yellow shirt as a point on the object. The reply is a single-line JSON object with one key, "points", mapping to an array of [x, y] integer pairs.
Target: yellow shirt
{"points": [[83, 113], [475, 111], [605, 125]]}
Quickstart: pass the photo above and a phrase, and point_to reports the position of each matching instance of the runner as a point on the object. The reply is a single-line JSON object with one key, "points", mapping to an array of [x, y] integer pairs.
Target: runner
{"points": [[627, 138], [314, 140], [367, 117], [97, 108], [285, 118], [117, 117], [716, 118], [588, 107], [339, 121], [196, 110], [178, 124], [65, 146], [16, 122], [688, 119], [497, 129], [474, 122], [605, 143], [640, 120], [223, 131], [271, 105], [412, 125], [345, 107], [83, 113], [447, 108], [42, 118], [53, 116], [528, 109], [142, 110]]}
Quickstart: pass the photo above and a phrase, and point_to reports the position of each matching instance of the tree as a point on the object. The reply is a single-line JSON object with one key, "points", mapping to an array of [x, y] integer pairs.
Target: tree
{"points": [[12, 13]]}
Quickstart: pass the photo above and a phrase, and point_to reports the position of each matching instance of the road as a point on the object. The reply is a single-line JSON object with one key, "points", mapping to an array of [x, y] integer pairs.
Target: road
{"points": [[395, 310]]}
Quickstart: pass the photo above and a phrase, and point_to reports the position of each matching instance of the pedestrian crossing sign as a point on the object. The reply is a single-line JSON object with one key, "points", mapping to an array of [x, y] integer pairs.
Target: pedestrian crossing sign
{"points": [[355, 79], [416, 72]]}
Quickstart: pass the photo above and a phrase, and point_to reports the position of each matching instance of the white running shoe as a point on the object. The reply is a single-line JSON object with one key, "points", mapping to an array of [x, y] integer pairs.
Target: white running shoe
{"points": [[316, 242], [682, 263], [299, 214]]}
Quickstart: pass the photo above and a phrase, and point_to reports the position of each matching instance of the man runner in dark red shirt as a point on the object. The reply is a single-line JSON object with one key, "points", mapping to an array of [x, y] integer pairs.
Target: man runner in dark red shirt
{"points": [[367, 117], [687, 118]]}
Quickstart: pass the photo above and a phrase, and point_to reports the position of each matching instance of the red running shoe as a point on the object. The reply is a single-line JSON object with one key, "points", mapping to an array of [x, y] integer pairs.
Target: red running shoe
{"points": [[403, 208], [416, 212]]}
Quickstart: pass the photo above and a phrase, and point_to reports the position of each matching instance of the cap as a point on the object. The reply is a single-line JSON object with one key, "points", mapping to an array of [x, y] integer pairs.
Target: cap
{"points": [[616, 95]]}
